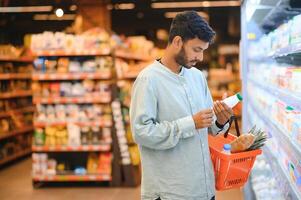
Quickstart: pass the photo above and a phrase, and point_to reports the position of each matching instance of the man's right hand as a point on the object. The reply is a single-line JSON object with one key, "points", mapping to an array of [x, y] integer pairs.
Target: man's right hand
{"points": [[203, 119]]}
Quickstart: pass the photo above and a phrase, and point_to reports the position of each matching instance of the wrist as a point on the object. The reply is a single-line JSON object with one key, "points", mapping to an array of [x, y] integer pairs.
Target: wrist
{"points": [[220, 125]]}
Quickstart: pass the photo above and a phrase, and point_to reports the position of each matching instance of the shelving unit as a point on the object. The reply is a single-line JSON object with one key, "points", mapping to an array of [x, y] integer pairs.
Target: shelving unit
{"points": [[101, 123], [71, 178], [7, 95], [77, 100], [15, 108], [127, 69], [15, 156], [71, 76], [82, 148], [15, 76], [24, 130], [263, 107], [85, 101], [272, 157]]}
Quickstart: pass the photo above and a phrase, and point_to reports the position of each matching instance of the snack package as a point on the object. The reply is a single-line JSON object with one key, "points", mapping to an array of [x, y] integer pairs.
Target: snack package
{"points": [[66, 89], [63, 65]]}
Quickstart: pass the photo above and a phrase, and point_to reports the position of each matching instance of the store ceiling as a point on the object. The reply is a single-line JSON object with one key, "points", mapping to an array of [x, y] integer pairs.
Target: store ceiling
{"points": [[142, 19]]}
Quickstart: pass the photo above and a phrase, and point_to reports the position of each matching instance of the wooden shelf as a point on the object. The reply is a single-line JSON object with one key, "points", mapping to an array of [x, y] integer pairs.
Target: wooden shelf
{"points": [[16, 132], [129, 75], [20, 110], [76, 100], [65, 178], [82, 148], [8, 95], [60, 53], [15, 156], [15, 76], [132, 56], [11, 59], [81, 124], [71, 76]]}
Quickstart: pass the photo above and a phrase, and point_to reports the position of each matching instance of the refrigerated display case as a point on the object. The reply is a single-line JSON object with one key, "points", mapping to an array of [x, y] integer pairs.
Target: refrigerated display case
{"points": [[271, 74]]}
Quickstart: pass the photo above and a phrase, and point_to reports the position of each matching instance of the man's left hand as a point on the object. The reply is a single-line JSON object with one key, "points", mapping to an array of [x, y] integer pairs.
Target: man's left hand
{"points": [[222, 112]]}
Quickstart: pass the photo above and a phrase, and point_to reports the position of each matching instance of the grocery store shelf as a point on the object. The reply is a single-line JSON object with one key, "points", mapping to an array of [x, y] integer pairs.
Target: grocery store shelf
{"points": [[291, 49], [276, 165], [285, 96], [82, 148], [22, 59], [55, 178], [20, 110], [90, 99], [132, 56], [59, 53], [15, 94], [106, 123], [15, 156], [277, 129], [129, 75], [15, 76], [16, 132], [71, 76], [290, 55]]}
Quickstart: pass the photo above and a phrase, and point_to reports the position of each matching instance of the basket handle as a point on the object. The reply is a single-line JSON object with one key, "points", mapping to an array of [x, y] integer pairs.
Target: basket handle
{"points": [[233, 118]]}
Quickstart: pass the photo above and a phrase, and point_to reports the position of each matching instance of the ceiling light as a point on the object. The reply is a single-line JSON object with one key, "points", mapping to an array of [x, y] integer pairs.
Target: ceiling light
{"points": [[73, 7], [195, 4], [173, 14], [110, 7], [59, 12], [25, 9], [124, 6]]}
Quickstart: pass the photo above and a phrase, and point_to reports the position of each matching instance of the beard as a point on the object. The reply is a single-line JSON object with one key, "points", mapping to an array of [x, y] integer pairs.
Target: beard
{"points": [[181, 59]]}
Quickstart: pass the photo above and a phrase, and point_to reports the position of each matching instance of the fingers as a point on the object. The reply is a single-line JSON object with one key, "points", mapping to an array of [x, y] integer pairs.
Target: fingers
{"points": [[221, 107], [207, 111], [227, 108], [207, 116], [207, 123], [219, 110]]}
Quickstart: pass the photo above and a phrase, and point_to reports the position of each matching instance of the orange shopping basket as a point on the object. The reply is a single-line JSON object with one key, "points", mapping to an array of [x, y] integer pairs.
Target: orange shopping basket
{"points": [[231, 171]]}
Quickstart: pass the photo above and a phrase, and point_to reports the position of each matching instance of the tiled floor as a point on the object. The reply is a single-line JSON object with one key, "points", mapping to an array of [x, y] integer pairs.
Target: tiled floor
{"points": [[15, 183]]}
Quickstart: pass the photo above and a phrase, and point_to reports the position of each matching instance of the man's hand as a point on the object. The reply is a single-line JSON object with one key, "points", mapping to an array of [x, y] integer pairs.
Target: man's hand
{"points": [[222, 112], [203, 119]]}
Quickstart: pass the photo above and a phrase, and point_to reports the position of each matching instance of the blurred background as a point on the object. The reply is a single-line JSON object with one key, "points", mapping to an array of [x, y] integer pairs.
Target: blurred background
{"points": [[66, 73]]}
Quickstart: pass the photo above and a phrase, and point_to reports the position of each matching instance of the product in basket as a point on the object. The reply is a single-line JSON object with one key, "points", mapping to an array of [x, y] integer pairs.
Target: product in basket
{"points": [[254, 139]]}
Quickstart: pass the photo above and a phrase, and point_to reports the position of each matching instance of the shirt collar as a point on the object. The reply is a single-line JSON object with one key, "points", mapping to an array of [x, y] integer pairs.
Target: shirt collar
{"points": [[181, 74]]}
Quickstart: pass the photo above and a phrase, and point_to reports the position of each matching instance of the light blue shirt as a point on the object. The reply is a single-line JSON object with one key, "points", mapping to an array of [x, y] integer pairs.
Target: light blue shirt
{"points": [[175, 156]]}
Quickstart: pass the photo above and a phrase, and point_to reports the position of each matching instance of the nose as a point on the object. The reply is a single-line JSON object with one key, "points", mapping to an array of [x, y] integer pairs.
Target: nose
{"points": [[200, 57]]}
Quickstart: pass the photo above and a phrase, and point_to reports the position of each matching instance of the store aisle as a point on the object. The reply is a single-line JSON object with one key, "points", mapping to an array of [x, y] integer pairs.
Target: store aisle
{"points": [[15, 183]]}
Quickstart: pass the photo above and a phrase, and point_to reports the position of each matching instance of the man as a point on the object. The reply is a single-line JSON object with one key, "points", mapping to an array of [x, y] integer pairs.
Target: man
{"points": [[171, 111]]}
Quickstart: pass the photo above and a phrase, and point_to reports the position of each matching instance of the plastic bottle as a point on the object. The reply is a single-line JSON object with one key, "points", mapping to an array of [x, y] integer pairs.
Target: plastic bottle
{"points": [[227, 149], [233, 100]]}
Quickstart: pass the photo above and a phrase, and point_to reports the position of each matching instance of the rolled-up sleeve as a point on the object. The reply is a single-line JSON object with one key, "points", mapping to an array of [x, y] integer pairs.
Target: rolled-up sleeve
{"points": [[146, 129]]}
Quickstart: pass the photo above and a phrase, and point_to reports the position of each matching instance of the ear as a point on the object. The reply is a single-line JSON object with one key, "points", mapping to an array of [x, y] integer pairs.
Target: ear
{"points": [[177, 42]]}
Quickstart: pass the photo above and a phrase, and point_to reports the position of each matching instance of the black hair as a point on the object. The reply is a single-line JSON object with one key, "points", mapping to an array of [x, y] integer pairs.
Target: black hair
{"points": [[189, 25]]}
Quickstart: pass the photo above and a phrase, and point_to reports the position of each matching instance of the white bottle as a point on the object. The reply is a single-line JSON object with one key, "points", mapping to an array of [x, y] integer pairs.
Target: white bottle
{"points": [[233, 100], [227, 149]]}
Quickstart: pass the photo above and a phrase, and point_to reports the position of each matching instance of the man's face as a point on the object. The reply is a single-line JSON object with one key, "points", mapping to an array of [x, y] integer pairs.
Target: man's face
{"points": [[191, 52]]}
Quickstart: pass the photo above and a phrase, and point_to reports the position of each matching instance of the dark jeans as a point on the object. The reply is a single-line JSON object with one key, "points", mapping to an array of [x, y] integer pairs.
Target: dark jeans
{"points": [[213, 198]]}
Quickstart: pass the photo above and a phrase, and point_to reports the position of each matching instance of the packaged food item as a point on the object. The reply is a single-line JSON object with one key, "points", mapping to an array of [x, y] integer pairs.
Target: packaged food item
{"points": [[74, 135], [63, 65], [39, 137]]}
